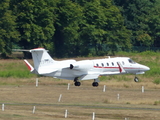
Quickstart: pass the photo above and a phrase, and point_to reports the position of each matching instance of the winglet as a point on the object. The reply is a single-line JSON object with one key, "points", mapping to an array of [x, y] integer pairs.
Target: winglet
{"points": [[29, 66], [121, 69]]}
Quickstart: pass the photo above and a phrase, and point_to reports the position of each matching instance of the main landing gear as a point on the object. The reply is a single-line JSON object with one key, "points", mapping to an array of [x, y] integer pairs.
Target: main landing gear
{"points": [[94, 84], [76, 82]]}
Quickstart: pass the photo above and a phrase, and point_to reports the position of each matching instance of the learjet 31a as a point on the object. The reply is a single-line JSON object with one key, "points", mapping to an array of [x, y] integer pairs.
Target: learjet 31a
{"points": [[84, 69]]}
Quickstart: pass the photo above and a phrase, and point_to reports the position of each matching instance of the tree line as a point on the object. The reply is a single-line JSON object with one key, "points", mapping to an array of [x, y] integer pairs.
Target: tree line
{"points": [[70, 28]]}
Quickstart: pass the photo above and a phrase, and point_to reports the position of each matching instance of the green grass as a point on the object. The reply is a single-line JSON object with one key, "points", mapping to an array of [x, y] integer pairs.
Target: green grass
{"points": [[14, 68], [157, 102], [157, 81], [15, 74]]}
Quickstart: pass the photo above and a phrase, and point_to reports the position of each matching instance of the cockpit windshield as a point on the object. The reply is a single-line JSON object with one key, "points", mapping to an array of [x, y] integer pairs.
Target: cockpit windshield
{"points": [[131, 61]]}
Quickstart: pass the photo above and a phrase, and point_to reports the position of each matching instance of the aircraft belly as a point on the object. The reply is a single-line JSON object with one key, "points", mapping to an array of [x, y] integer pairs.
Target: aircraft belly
{"points": [[111, 70], [133, 70], [67, 73]]}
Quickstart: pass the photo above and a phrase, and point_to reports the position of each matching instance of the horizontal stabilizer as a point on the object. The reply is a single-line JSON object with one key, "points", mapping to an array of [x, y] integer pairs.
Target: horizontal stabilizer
{"points": [[20, 50]]}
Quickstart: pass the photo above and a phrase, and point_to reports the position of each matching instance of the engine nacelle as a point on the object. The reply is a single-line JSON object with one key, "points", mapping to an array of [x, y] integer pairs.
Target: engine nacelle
{"points": [[74, 66], [82, 65], [71, 66]]}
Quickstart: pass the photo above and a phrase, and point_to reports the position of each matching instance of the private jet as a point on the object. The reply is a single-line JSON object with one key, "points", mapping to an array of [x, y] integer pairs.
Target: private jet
{"points": [[84, 69]]}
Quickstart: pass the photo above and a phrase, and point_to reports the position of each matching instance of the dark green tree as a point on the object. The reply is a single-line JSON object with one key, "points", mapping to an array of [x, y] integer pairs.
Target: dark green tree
{"points": [[104, 28], [154, 24], [35, 20], [67, 25], [8, 33], [137, 14]]}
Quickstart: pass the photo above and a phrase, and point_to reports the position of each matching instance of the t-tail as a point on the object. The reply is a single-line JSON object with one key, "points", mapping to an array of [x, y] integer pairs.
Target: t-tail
{"points": [[43, 63]]}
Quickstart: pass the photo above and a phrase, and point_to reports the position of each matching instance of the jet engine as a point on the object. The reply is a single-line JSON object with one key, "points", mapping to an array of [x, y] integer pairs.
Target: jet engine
{"points": [[81, 65]]}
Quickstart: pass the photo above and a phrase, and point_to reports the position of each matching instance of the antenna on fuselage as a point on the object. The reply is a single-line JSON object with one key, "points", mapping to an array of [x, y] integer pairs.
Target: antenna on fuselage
{"points": [[108, 57]]}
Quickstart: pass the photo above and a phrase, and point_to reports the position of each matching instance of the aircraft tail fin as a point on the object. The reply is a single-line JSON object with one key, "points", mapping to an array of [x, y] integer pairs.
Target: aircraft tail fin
{"points": [[43, 63]]}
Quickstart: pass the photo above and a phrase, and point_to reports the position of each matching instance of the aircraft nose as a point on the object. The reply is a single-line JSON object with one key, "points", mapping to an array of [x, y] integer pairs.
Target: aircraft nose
{"points": [[146, 68]]}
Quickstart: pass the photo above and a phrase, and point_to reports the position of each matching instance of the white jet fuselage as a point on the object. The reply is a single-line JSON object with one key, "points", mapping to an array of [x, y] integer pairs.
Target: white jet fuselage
{"points": [[101, 67], [84, 69]]}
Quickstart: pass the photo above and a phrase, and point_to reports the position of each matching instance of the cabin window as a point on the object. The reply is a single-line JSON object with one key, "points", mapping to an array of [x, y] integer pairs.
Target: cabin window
{"points": [[112, 64], [123, 62], [131, 61], [97, 65], [102, 64], [107, 64]]}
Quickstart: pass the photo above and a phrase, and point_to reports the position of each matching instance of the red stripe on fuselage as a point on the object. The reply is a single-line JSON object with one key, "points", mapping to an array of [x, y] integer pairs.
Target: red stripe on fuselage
{"points": [[116, 67], [104, 67]]}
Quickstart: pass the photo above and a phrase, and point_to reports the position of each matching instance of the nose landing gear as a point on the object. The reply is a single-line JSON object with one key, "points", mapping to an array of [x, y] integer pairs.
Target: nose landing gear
{"points": [[136, 79]]}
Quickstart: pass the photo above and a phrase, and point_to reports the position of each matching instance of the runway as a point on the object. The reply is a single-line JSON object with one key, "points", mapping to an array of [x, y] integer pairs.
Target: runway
{"points": [[80, 102]]}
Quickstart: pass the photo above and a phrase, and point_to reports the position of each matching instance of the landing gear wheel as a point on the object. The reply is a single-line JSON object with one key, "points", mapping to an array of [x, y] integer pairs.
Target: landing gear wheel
{"points": [[77, 83], [136, 79], [95, 84]]}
